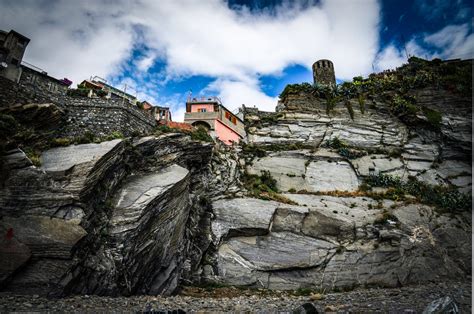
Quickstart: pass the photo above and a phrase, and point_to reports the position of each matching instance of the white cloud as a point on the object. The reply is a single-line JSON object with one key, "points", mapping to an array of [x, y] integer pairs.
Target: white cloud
{"points": [[71, 39], [389, 58], [78, 39], [82, 38], [146, 62], [207, 38], [452, 41], [236, 93]]}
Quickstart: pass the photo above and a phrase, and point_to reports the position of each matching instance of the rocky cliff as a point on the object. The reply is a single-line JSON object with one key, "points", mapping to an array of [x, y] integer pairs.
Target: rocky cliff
{"points": [[107, 218], [365, 185]]}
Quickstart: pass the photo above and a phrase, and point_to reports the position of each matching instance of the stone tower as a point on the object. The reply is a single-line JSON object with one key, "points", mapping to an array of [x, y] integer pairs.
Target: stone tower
{"points": [[323, 73]]}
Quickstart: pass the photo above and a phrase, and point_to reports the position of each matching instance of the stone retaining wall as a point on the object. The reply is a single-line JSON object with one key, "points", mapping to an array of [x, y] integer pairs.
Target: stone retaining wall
{"points": [[97, 115]]}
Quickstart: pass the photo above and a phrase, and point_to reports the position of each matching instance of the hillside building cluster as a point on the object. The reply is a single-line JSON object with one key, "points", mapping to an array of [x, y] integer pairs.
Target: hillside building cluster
{"points": [[201, 112]]}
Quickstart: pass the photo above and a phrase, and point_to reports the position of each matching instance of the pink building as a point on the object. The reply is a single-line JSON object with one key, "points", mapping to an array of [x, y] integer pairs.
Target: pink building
{"points": [[209, 113]]}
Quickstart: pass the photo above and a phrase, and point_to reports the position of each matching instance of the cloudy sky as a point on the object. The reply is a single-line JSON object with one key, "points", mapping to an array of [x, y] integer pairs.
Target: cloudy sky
{"points": [[243, 51]]}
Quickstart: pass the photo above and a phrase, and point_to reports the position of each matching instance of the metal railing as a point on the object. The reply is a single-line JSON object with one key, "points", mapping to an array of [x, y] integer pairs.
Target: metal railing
{"points": [[34, 67], [192, 99]]}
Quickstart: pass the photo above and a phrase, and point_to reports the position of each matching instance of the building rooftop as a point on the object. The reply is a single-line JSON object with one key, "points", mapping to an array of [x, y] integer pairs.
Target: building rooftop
{"points": [[200, 100], [40, 71]]}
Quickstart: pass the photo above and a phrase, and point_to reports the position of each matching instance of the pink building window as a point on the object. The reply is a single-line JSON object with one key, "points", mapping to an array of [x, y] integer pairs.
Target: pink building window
{"points": [[200, 107]]}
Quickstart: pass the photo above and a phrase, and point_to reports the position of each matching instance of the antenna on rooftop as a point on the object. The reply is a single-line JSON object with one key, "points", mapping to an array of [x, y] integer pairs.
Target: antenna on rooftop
{"points": [[99, 78]]}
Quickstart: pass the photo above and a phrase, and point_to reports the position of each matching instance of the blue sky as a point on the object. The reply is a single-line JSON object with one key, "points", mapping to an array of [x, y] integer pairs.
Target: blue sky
{"points": [[243, 51]]}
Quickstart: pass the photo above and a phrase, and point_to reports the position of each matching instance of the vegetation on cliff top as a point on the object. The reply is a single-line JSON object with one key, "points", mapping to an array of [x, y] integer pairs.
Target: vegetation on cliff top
{"points": [[454, 77], [197, 134]]}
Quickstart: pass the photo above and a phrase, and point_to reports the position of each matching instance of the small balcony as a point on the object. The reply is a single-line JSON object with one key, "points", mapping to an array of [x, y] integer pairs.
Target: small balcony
{"points": [[194, 116]]}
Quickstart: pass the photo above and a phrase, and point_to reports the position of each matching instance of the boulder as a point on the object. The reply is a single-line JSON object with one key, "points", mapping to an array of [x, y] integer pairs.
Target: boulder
{"points": [[241, 216]]}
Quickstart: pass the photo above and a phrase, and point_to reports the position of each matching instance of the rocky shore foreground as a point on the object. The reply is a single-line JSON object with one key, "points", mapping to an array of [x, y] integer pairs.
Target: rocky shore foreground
{"points": [[411, 299]]}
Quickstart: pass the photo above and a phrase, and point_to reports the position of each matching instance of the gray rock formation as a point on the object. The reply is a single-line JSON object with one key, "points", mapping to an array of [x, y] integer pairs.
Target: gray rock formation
{"points": [[333, 242], [328, 241], [108, 218], [144, 215]]}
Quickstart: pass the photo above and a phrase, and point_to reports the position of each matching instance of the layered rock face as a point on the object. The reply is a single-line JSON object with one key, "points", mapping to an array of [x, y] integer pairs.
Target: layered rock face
{"points": [[323, 195], [106, 218], [330, 233], [336, 243]]}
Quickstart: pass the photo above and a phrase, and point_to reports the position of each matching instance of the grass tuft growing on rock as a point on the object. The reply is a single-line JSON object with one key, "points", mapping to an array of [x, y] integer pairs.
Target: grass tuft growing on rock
{"points": [[443, 197], [343, 149], [197, 134], [264, 187], [201, 134], [434, 117], [34, 155]]}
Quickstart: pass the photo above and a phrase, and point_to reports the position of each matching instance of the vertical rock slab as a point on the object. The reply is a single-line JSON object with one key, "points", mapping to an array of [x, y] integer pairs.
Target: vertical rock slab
{"points": [[140, 250]]}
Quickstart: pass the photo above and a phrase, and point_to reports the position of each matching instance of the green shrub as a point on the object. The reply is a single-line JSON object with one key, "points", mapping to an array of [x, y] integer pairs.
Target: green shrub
{"points": [[444, 198], [101, 93], [361, 101], [350, 153], [403, 106], [61, 141], [253, 150], [433, 116], [163, 129], [87, 137], [298, 88], [335, 143], [34, 155], [350, 109], [200, 134], [268, 180], [79, 92], [331, 103], [264, 187], [114, 135]]}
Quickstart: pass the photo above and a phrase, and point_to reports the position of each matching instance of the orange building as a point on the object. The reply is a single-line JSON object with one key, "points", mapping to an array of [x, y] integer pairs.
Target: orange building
{"points": [[209, 113]]}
